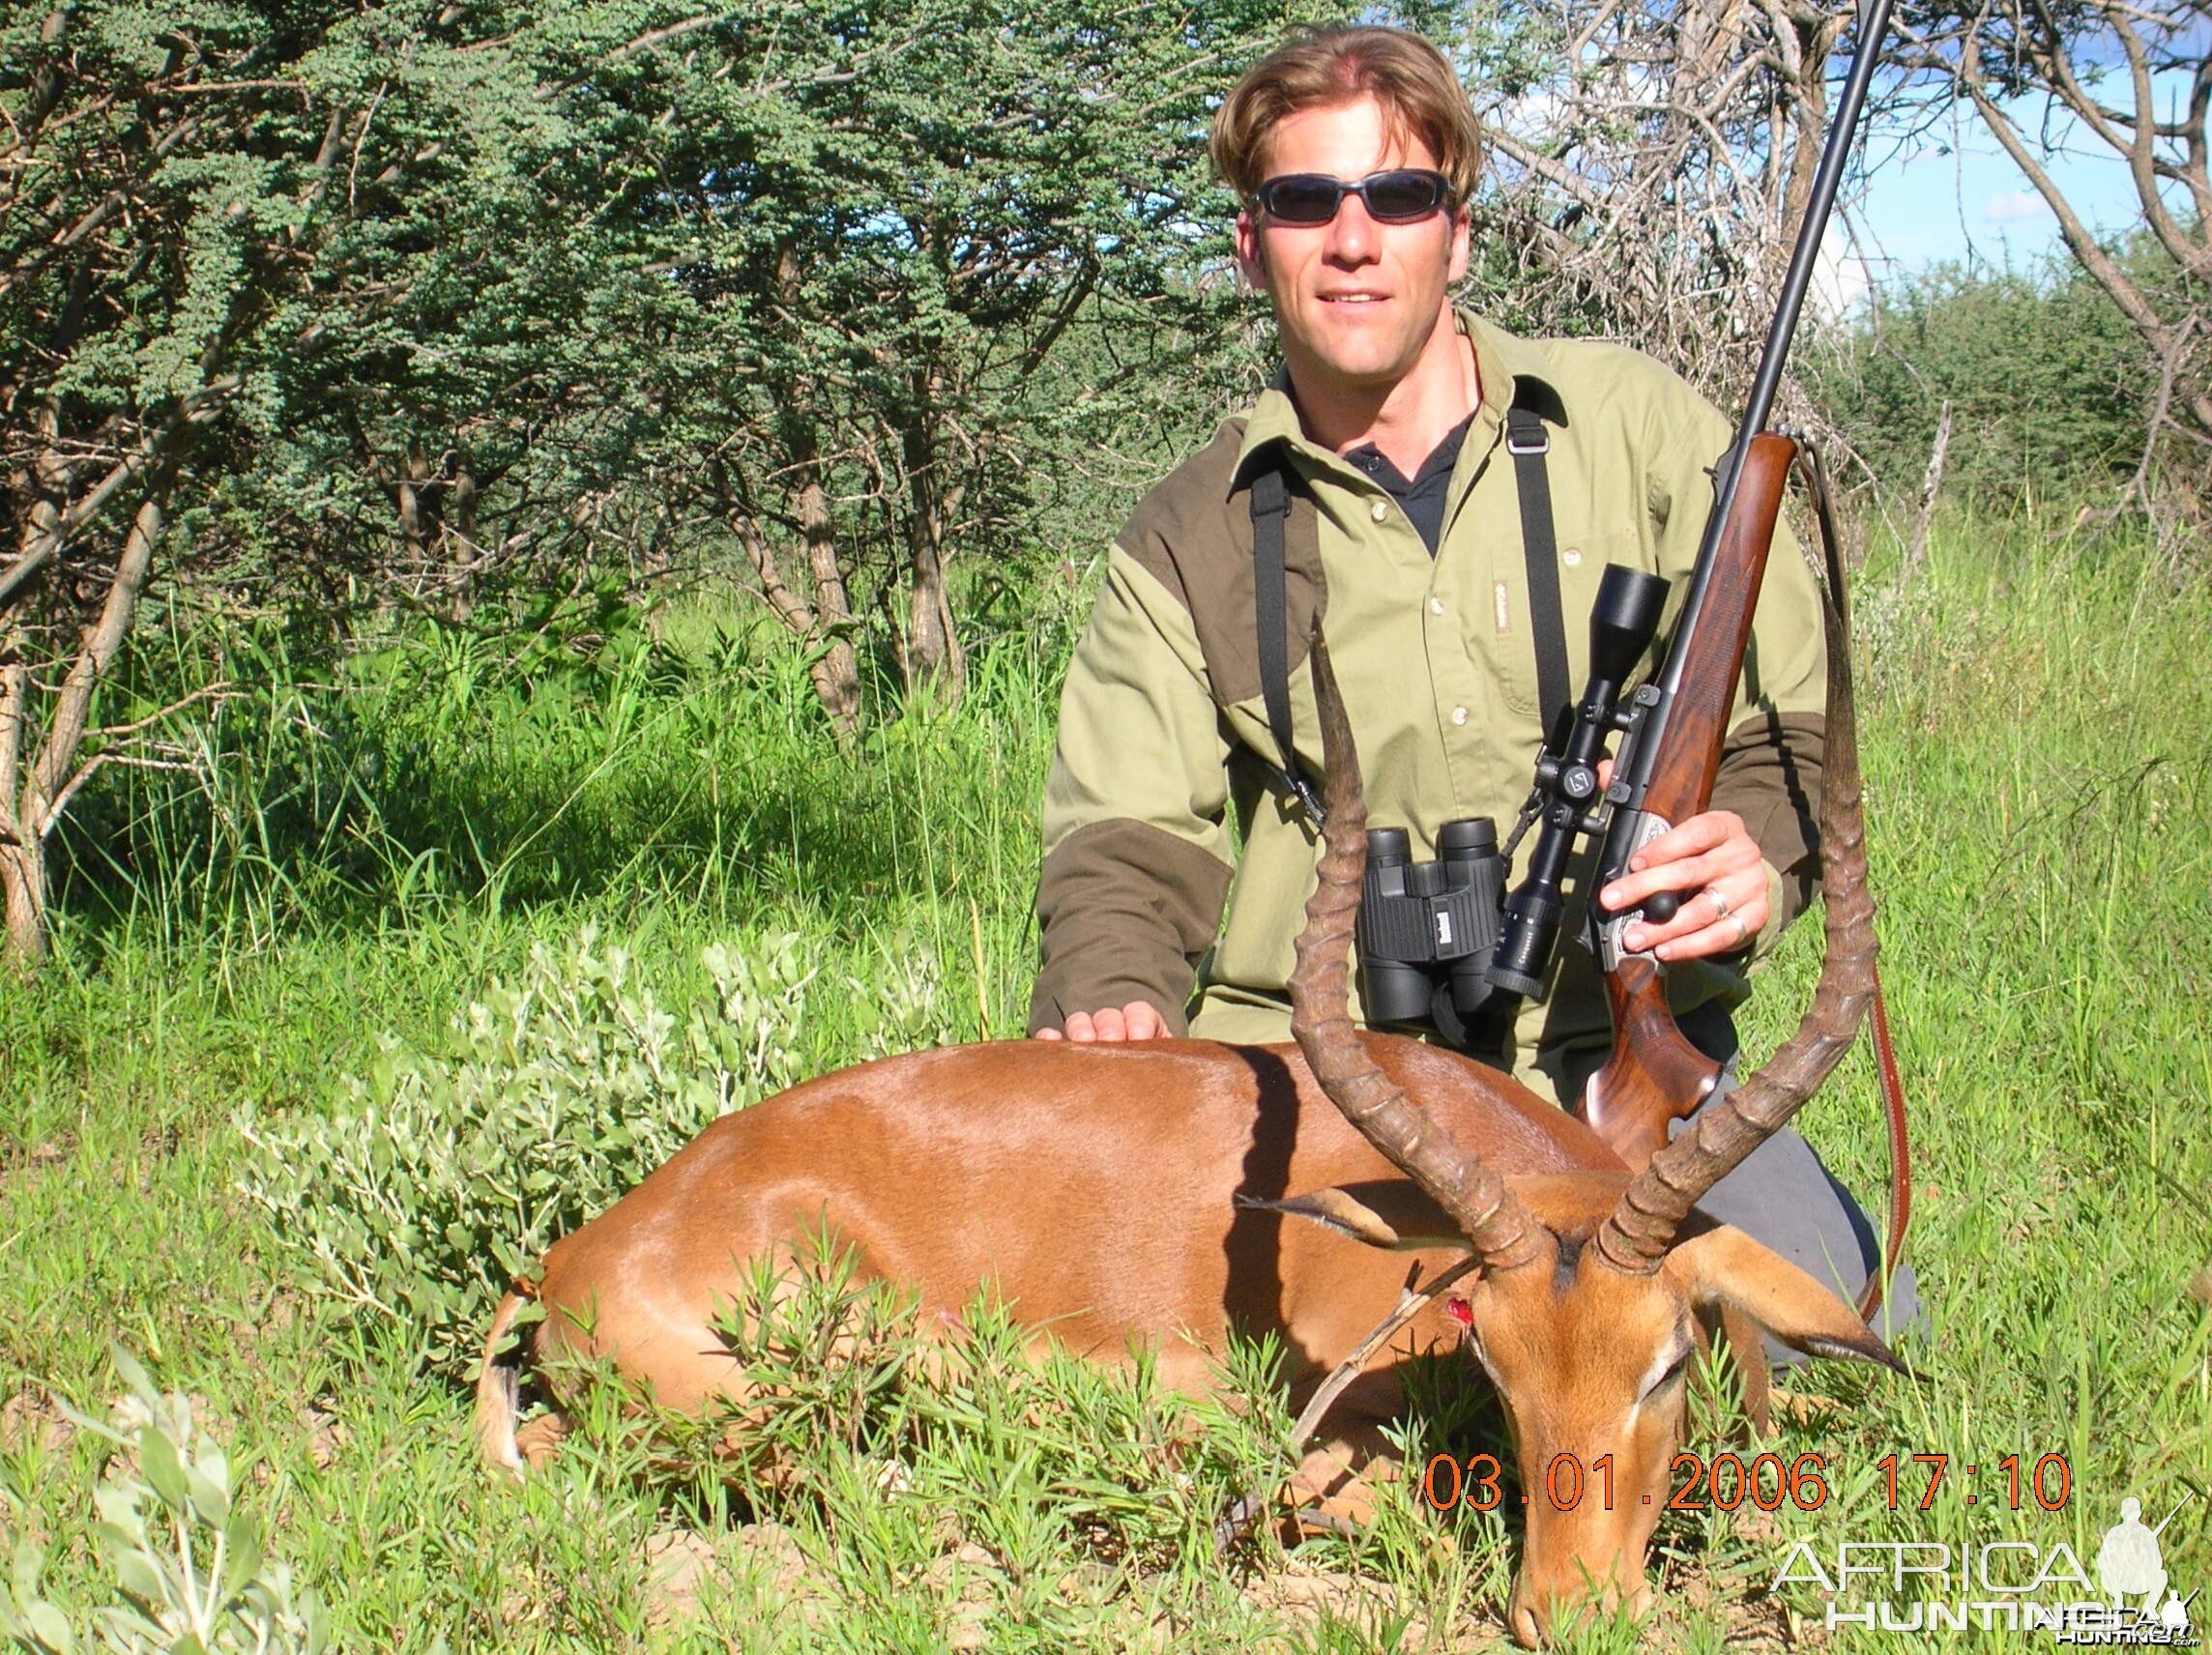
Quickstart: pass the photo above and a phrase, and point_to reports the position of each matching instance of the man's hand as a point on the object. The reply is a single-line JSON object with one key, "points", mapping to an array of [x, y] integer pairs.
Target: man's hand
{"points": [[1139, 1020], [1715, 863]]}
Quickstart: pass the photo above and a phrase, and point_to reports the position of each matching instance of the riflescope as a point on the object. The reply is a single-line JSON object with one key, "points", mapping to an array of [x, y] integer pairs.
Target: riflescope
{"points": [[1622, 622]]}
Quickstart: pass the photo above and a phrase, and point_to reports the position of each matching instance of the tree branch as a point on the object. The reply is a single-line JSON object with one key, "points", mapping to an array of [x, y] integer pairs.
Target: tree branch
{"points": [[66, 730], [47, 537]]}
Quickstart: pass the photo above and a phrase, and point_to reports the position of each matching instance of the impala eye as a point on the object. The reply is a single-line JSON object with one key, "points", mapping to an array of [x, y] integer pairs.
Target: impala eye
{"points": [[1674, 1370]]}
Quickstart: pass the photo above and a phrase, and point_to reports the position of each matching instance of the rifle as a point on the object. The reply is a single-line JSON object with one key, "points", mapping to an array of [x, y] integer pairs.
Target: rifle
{"points": [[1673, 728]]}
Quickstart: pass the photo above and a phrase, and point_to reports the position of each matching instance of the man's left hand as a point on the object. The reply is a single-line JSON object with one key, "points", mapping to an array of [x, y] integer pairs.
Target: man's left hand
{"points": [[1716, 866]]}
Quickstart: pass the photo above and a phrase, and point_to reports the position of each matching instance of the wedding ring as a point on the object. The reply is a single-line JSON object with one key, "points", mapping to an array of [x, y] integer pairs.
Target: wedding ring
{"points": [[1720, 904], [1742, 931]]}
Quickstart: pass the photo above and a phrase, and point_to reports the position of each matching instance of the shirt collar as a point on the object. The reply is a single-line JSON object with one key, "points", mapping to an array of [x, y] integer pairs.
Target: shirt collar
{"points": [[1501, 361]]}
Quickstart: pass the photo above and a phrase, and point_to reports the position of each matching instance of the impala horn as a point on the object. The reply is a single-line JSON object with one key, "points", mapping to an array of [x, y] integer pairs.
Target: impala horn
{"points": [[1475, 1198], [1636, 1237]]}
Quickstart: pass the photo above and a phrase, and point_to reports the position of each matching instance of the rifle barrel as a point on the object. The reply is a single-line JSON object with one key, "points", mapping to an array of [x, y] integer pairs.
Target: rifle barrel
{"points": [[1874, 24], [1827, 179]]}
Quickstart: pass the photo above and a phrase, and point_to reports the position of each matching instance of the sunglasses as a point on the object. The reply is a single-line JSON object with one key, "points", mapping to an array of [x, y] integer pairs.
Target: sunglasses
{"points": [[1403, 195]]}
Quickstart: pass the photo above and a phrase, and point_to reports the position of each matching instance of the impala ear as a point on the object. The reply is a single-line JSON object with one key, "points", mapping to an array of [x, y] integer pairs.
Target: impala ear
{"points": [[1396, 1217], [1724, 1265]]}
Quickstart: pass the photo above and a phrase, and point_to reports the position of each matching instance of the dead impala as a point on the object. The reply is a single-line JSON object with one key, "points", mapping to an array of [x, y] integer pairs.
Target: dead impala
{"points": [[1109, 1191]]}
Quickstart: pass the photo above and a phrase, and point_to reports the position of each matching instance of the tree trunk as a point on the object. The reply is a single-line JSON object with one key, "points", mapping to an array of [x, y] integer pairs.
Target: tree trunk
{"points": [[932, 655], [1804, 36], [35, 789], [23, 889], [22, 857], [1931, 485], [834, 670], [837, 670]]}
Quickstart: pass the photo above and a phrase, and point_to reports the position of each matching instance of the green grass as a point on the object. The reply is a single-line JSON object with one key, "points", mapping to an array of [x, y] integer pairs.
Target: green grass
{"points": [[367, 856]]}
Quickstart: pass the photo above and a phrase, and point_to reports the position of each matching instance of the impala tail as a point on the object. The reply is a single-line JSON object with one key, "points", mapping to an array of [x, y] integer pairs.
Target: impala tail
{"points": [[498, 1388]]}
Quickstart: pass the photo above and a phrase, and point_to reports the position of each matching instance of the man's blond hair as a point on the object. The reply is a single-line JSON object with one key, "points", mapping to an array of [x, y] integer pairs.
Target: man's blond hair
{"points": [[1420, 95]]}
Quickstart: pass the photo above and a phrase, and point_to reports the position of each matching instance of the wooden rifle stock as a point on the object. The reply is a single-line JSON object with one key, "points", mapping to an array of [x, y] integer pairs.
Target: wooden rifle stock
{"points": [[1655, 1076]]}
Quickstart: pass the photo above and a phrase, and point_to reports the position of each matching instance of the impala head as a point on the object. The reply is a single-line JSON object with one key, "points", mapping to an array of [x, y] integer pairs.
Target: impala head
{"points": [[1590, 1361], [1583, 1310]]}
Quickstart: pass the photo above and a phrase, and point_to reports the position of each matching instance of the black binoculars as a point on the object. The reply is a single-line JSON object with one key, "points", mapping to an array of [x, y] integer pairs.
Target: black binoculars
{"points": [[1439, 941], [1427, 929]]}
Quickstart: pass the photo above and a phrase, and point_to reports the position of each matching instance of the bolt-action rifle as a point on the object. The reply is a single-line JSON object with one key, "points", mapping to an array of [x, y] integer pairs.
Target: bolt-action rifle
{"points": [[1671, 728]]}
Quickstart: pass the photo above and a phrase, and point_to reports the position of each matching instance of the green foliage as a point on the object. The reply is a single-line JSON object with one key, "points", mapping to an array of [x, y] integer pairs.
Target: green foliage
{"points": [[2049, 387], [567, 756], [189, 1564], [443, 1178], [848, 1399], [490, 295]]}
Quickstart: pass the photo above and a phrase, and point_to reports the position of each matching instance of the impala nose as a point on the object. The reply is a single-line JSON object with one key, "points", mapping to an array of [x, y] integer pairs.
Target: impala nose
{"points": [[1526, 1631], [1532, 1615]]}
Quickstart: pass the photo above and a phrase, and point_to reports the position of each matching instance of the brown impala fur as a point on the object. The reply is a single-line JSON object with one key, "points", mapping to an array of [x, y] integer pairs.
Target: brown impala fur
{"points": [[1098, 1187]]}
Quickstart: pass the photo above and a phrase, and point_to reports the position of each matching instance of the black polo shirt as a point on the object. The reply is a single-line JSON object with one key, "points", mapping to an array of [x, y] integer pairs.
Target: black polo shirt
{"points": [[1421, 497]]}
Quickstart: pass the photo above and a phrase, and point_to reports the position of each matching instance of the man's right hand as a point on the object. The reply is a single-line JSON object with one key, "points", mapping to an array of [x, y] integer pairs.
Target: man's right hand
{"points": [[1139, 1020]]}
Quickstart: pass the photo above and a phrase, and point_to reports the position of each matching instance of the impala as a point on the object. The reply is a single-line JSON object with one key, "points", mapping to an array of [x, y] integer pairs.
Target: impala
{"points": [[1139, 1192]]}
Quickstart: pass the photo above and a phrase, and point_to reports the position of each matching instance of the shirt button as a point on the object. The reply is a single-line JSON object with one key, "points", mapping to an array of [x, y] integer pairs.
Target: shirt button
{"points": [[1459, 715], [1435, 606], [1381, 510], [1572, 558]]}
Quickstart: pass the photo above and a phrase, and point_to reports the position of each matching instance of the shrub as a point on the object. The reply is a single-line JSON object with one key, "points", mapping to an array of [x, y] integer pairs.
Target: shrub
{"points": [[189, 1563], [441, 1179], [2046, 380]]}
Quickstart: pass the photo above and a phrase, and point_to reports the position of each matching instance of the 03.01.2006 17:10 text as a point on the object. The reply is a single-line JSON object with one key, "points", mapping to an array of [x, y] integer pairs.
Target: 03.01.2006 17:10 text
{"points": [[1728, 1481]]}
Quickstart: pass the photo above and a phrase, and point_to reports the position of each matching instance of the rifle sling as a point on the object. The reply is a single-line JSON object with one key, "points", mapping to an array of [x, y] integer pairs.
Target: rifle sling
{"points": [[1527, 442], [1813, 469], [1271, 509]]}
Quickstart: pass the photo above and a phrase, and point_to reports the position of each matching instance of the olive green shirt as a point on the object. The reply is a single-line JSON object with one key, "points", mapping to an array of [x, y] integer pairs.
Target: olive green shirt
{"points": [[1156, 776]]}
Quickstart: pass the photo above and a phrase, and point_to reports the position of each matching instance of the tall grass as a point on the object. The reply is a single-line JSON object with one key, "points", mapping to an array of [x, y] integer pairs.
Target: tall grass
{"points": [[362, 849]]}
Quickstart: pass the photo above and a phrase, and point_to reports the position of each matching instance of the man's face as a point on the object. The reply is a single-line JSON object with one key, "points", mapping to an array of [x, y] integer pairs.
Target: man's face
{"points": [[1356, 301]]}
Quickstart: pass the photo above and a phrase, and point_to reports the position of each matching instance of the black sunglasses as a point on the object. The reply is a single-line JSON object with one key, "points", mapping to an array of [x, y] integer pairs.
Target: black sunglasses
{"points": [[1400, 197]]}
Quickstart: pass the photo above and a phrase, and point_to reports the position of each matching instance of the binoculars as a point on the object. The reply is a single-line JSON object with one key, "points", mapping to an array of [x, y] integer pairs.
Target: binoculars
{"points": [[1439, 940], [1430, 928]]}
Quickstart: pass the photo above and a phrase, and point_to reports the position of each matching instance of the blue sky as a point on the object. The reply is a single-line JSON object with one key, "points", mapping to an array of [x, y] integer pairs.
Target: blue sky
{"points": [[1926, 205], [1955, 194]]}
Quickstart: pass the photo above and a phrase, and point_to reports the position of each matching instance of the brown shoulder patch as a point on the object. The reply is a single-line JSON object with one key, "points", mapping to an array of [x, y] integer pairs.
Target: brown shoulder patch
{"points": [[1193, 534]]}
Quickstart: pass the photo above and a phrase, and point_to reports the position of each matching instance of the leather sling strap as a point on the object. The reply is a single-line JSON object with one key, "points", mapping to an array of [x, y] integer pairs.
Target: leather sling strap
{"points": [[1529, 442], [1815, 472], [1270, 509]]}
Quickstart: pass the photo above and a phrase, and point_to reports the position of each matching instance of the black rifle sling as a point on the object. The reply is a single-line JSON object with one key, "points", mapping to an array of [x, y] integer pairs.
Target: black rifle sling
{"points": [[1527, 442], [1270, 509]]}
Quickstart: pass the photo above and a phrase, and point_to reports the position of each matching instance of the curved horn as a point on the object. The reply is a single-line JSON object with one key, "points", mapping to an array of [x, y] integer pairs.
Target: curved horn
{"points": [[1476, 1199], [1642, 1227]]}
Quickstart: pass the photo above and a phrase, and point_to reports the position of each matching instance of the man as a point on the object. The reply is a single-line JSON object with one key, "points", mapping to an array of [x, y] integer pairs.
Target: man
{"points": [[1354, 151]]}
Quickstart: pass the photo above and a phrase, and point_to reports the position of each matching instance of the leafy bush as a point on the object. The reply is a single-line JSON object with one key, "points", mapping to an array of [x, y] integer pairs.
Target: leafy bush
{"points": [[192, 1575], [443, 1178], [853, 1405], [2046, 381]]}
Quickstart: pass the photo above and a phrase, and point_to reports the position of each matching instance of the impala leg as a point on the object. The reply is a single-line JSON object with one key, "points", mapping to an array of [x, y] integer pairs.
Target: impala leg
{"points": [[1351, 1458], [541, 1438]]}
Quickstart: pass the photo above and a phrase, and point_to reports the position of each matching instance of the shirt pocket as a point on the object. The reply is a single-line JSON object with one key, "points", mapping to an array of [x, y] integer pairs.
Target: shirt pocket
{"points": [[1506, 631]]}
